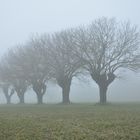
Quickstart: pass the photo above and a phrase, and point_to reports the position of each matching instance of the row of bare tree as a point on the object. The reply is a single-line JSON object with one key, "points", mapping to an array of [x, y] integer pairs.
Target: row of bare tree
{"points": [[99, 49]]}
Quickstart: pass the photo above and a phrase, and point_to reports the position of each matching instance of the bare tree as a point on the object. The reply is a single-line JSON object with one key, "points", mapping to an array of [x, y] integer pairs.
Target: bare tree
{"points": [[5, 85], [108, 46], [12, 74], [38, 69], [25, 65], [63, 60]]}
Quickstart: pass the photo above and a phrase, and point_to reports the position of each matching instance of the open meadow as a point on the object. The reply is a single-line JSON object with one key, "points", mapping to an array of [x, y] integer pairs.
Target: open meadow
{"points": [[70, 122]]}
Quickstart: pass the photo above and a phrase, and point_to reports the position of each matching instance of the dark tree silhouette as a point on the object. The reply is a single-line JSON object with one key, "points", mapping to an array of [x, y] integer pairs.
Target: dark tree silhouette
{"points": [[8, 92], [40, 88], [20, 86], [12, 72], [39, 71], [62, 59], [107, 46]]}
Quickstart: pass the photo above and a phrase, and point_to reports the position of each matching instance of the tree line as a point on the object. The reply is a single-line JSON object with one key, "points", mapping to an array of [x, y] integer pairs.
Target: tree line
{"points": [[100, 50]]}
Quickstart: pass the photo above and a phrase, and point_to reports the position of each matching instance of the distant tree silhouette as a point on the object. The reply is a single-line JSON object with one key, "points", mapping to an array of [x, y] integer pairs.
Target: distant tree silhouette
{"points": [[63, 61]]}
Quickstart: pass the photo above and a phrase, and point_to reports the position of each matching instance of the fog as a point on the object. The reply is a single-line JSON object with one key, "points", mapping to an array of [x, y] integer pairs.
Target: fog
{"points": [[20, 19]]}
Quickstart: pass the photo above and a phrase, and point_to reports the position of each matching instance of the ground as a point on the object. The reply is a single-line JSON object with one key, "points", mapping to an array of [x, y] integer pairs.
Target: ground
{"points": [[70, 122]]}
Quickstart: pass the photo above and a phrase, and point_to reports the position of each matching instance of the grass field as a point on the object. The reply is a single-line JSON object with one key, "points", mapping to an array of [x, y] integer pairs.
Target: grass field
{"points": [[70, 122]]}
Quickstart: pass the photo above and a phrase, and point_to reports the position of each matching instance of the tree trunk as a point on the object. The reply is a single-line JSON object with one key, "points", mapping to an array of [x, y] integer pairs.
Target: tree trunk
{"points": [[103, 80], [8, 94], [65, 82], [65, 94], [40, 98], [21, 98], [8, 99], [40, 89], [103, 92]]}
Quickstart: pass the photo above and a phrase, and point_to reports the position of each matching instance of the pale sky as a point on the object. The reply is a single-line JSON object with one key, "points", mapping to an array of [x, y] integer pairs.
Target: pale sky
{"points": [[20, 19]]}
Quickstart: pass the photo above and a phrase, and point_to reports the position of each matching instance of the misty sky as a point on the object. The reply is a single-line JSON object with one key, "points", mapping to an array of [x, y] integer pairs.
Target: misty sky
{"points": [[20, 19]]}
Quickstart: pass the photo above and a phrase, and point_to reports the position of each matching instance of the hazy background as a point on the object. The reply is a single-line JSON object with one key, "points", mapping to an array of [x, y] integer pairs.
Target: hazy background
{"points": [[20, 19]]}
